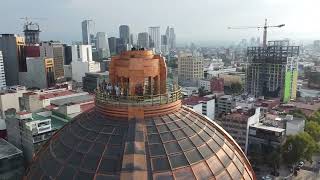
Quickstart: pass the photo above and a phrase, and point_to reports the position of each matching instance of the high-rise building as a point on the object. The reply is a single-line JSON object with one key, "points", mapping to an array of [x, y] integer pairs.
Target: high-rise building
{"points": [[12, 47], [124, 32], [87, 32], [140, 130], [190, 68], [2, 73], [121, 45], [67, 54], [171, 36], [31, 33], [112, 41], [164, 45], [155, 38], [40, 73], [132, 40], [102, 45], [55, 50], [272, 71], [143, 40], [82, 62]]}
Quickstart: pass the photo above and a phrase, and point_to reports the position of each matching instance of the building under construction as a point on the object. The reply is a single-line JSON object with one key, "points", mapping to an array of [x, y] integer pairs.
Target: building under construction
{"points": [[272, 70]]}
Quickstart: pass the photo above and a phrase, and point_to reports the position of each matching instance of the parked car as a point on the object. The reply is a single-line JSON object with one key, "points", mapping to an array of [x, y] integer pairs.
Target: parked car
{"points": [[301, 163], [267, 177]]}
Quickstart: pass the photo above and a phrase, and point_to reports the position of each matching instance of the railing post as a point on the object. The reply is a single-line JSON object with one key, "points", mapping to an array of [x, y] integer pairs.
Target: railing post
{"points": [[151, 99]]}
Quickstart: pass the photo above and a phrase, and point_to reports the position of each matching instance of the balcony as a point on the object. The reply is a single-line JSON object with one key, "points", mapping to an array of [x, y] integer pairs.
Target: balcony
{"points": [[102, 97]]}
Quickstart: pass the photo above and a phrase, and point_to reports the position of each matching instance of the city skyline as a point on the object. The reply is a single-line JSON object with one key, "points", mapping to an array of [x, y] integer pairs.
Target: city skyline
{"points": [[207, 20]]}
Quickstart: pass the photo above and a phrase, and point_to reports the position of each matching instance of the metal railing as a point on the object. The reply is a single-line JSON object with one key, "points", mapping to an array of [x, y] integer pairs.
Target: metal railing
{"points": [[102, 97]]}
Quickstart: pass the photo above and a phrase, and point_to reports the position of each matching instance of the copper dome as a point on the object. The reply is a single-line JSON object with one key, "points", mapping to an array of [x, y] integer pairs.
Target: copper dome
{"points": [[122, 140]]}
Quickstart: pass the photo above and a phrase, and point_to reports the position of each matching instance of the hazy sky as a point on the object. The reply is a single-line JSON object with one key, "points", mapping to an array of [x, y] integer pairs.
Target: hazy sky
{"points": [[194, 20]]}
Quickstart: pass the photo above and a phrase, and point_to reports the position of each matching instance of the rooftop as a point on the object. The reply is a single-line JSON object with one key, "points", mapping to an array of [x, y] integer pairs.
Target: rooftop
{"points": [[268, 128], [56, 94], [237, 116], [313, 107], [74, 99], [7, 150], [57, 120], [194, 100]]}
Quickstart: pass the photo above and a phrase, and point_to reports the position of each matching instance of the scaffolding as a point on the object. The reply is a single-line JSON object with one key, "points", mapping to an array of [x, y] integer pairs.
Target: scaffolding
{"points": [[272, 69]]}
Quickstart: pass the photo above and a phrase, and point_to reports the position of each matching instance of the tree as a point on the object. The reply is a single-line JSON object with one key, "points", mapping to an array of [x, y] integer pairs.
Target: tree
{"points": [[315, 117], [201, 91], [236, 88], [313, 129], [298, 113], [273, 159], [299, 147]]}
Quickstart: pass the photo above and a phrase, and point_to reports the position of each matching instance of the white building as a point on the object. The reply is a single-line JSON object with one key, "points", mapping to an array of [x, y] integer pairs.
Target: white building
{"points": [[212, 64], [294, 125], [102, 44], [206, 84], [82, 62], [2, 73], [171, 36], [155, 38], [216, 73], [10, 98], [202, 105]]}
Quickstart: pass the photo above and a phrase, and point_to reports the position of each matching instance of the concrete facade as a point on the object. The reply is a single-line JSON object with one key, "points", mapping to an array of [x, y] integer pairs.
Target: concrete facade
{"points": [[190, 68], [206, 84], [155, 39], [143, 40], [225, 104], [237, 125], [40, 73], [87, 31], [2, 73], [54, 50], [82, 62], [12, 47], [10, 99]]}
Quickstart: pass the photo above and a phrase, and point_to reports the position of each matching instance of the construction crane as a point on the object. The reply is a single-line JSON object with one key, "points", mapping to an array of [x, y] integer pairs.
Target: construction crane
{"points": [[265, 27]]}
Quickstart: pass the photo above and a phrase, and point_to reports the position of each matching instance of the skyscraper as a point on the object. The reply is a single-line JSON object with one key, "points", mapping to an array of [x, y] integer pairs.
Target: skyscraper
{"points": [[155, 38], [87, 32], [164, 45], [112, 41], [2, 73], [31, 33], [12, 47], [143, 40], [171, 37], [102, 44], [272, 70], [55, 50], [124, 32], [67, 54]]}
